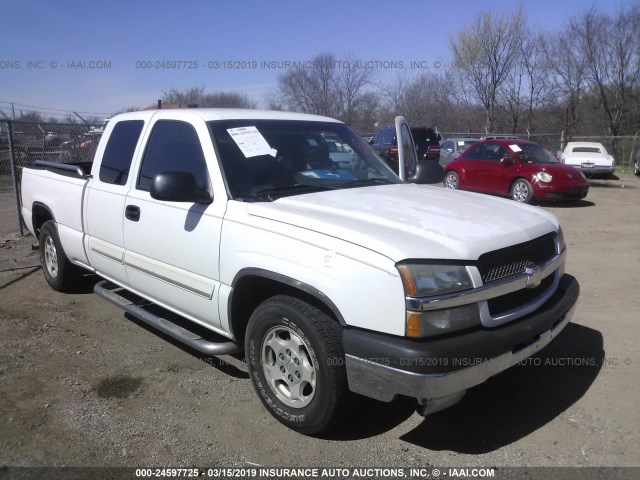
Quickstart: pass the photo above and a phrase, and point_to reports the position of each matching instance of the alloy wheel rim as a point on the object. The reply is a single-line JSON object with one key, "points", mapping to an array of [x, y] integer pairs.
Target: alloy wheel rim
{"points": [[520, 192], [451, 181], [51, 257], [288, 367]]}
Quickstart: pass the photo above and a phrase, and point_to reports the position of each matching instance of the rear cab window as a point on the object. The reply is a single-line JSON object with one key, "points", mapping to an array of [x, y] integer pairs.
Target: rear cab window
{"points": [[118, 154]]}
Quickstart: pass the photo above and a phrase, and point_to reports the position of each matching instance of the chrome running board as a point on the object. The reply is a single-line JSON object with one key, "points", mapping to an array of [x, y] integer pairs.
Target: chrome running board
{"points": [[109, 292]]}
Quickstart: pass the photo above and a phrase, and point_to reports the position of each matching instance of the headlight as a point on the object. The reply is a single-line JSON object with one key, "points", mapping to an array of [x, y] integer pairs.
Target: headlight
{"points": [[421, 280], [543, 177], [424, 280], [440, 322], [561, 243]]}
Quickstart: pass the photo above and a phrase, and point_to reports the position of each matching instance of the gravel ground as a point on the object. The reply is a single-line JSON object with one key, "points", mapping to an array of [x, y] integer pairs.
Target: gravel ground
{"points": [[82, 384]]}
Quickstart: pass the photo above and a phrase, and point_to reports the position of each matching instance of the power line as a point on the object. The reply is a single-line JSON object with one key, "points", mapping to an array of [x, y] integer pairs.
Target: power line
{"points": [[70, 112]]}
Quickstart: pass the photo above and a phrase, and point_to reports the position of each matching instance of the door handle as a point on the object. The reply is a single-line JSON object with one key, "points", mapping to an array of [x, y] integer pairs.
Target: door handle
{"points": [[132, 213]]}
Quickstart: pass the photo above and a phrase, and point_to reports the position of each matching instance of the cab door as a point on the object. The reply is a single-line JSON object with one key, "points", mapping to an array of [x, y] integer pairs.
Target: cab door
{"points": [[172, 246], [492, 172], [104, 242]]}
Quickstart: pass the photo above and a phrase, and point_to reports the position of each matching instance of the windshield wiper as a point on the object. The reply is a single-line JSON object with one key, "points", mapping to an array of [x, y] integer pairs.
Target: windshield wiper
{"points": [[366, 181], [275, 192]]}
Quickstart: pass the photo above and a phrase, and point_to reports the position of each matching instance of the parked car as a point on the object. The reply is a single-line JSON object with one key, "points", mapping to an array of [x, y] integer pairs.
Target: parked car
{"points": [[340, 153], [636, 165], [384, 143], [500, 136], [427, 143], [452, 148], [590, 158], [519, 169], [426, 140]]}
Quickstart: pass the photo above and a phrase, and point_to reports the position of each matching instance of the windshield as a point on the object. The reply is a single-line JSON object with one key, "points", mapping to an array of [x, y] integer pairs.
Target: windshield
{"points": [[263, 160], [534, 153], [586, 150], [464, 144]]}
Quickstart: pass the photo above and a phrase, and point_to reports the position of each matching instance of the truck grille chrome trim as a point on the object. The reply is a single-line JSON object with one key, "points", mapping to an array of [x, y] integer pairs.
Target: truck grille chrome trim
{"points": [[486, 292], [514, 260]]}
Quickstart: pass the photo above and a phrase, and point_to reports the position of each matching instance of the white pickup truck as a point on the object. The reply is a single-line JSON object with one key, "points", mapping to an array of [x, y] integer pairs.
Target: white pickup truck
{"points": [[332, 279]]}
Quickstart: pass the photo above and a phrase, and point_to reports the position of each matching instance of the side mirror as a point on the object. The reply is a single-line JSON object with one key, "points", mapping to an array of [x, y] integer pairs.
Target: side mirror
{"points": [[427, 172], [506, 160], [178, 187]]}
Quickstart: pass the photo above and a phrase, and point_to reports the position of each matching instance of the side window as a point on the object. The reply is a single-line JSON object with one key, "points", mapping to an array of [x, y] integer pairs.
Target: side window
{"points": [[173, 146], [118, 153], [473, 152], [448, 147], [492, 152]]}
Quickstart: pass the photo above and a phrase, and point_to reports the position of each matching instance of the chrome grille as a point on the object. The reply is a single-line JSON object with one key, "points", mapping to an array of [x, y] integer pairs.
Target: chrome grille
{"points": [[511, 261]]}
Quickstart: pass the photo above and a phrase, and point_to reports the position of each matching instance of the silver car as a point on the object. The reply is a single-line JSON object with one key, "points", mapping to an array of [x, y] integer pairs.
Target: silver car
{"points": [[452, 148]]}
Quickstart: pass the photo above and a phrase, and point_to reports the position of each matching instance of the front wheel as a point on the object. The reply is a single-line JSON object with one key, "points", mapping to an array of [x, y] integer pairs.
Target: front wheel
{"points": [[451, 180], [521, 191], [296, 364]]}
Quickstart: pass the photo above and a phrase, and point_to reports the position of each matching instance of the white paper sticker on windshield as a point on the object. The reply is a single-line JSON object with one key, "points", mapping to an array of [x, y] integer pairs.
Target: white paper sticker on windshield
{"points": [[461, 143], [251, 142], [515, 148]]}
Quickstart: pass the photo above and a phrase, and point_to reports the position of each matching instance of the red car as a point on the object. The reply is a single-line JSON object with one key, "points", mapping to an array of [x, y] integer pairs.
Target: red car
{"points": [[519, 169]]}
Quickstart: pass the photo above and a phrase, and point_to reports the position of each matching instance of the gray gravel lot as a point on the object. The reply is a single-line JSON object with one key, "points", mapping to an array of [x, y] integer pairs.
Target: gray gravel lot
{"points": [[81, 384]]}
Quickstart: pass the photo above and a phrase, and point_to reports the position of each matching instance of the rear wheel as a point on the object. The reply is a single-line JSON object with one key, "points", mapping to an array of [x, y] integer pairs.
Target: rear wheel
{"points": [[59, 272], [296, 363], [521, 191], [451, 180]]}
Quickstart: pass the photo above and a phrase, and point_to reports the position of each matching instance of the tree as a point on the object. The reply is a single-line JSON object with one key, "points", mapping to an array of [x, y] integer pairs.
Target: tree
{"points": [[526, 87], [327, 86], [610, 48], [421, 100], [311, 87], [567, 65], [536, 66], [485, 54], [216, 99]]}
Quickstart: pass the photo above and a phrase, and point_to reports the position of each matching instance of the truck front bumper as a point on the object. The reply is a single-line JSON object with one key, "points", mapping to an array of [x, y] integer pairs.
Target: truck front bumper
{"points": [[382, 366]]}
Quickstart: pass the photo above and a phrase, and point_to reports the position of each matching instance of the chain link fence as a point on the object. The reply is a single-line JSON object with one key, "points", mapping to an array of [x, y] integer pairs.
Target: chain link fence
{"points": [[550, 141], [623, 148], [22, 143]]}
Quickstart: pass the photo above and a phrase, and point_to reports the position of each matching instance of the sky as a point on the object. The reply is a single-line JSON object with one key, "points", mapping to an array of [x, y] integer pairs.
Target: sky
{"points": [[102, 57]]}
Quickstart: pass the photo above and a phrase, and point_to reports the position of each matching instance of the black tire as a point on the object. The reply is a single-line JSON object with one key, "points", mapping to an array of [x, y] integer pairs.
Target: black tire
{"points": [[59, 272], [636, 168], [296, 364], [451, 180], [521, 191]]}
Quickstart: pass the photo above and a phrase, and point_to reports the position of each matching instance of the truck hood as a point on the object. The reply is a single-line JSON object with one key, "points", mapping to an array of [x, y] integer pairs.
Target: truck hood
{"points": [[412, 221]]}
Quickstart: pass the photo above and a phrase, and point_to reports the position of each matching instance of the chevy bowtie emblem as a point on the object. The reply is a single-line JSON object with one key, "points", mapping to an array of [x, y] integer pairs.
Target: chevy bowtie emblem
{"points": [[532, 271]]}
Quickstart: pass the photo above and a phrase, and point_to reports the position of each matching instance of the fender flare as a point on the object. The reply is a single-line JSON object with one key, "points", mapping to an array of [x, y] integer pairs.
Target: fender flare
{"points": [[285, 280]]}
